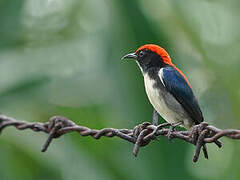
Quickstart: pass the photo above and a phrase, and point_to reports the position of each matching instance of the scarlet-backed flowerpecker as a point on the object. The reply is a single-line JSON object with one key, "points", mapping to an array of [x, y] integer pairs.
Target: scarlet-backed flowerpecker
{"points": [[167, 88]]}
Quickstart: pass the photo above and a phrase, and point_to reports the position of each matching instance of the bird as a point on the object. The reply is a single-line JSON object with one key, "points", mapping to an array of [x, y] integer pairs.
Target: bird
{"points": [[167, 88]]}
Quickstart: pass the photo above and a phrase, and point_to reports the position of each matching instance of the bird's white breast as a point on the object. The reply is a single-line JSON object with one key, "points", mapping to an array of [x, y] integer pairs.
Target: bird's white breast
{"points": [[158, 100]]}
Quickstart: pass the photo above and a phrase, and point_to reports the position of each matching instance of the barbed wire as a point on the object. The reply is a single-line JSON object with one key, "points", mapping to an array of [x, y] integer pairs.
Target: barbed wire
{"points": [[140, 136]]}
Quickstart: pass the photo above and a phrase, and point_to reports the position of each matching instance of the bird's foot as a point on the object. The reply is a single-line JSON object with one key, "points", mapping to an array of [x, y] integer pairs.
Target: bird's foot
{"points": [[172, 128], [158, 127]]}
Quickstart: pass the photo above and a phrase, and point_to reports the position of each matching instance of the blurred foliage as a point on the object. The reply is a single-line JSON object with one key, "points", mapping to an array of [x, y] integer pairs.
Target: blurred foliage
{"points": [[63, 57]]}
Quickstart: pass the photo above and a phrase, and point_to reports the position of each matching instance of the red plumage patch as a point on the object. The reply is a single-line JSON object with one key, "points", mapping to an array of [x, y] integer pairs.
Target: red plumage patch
{"points": [[159, 50], [164, 55]]}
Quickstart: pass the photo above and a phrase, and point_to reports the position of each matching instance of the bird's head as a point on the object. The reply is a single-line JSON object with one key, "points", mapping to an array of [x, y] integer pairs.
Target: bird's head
{"points": [[150, 55]]}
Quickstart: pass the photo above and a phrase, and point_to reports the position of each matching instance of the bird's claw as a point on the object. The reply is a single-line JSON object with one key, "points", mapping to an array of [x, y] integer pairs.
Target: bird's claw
{"points": [[170, 131], [172, 128]]}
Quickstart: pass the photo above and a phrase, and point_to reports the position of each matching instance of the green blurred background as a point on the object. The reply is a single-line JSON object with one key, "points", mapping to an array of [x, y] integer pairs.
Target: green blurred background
{"points": [[62, 57]]}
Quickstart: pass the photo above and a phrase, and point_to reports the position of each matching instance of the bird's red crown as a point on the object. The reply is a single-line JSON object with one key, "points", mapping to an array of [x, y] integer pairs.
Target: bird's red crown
{"points": [[164, 55], [159, 50]]}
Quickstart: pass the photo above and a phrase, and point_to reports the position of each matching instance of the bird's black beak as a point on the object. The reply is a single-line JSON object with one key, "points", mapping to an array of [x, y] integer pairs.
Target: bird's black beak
{"points": [[130, 56]]}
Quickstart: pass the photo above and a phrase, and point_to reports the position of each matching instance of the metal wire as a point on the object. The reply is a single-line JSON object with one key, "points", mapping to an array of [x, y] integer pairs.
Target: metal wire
{"points": [[140, 136]]}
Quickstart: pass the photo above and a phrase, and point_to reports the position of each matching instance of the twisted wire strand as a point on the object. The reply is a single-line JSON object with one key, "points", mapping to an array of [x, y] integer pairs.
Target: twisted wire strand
{"points": [[141, 135]]}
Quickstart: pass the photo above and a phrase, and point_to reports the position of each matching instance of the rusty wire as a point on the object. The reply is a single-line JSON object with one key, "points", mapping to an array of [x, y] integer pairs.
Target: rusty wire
{"points": [[140, 136]]}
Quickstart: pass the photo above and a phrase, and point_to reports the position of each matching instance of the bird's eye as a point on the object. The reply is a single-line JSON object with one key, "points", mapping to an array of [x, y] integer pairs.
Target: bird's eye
{"points": [[141, 54]]}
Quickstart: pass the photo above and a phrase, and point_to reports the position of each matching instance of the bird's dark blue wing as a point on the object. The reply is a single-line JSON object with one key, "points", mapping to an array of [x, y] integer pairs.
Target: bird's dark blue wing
{"points": [[175, 83]]}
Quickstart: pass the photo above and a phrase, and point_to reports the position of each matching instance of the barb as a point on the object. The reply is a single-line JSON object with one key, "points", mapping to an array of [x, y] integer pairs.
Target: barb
{"points": [[140, 136]]}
